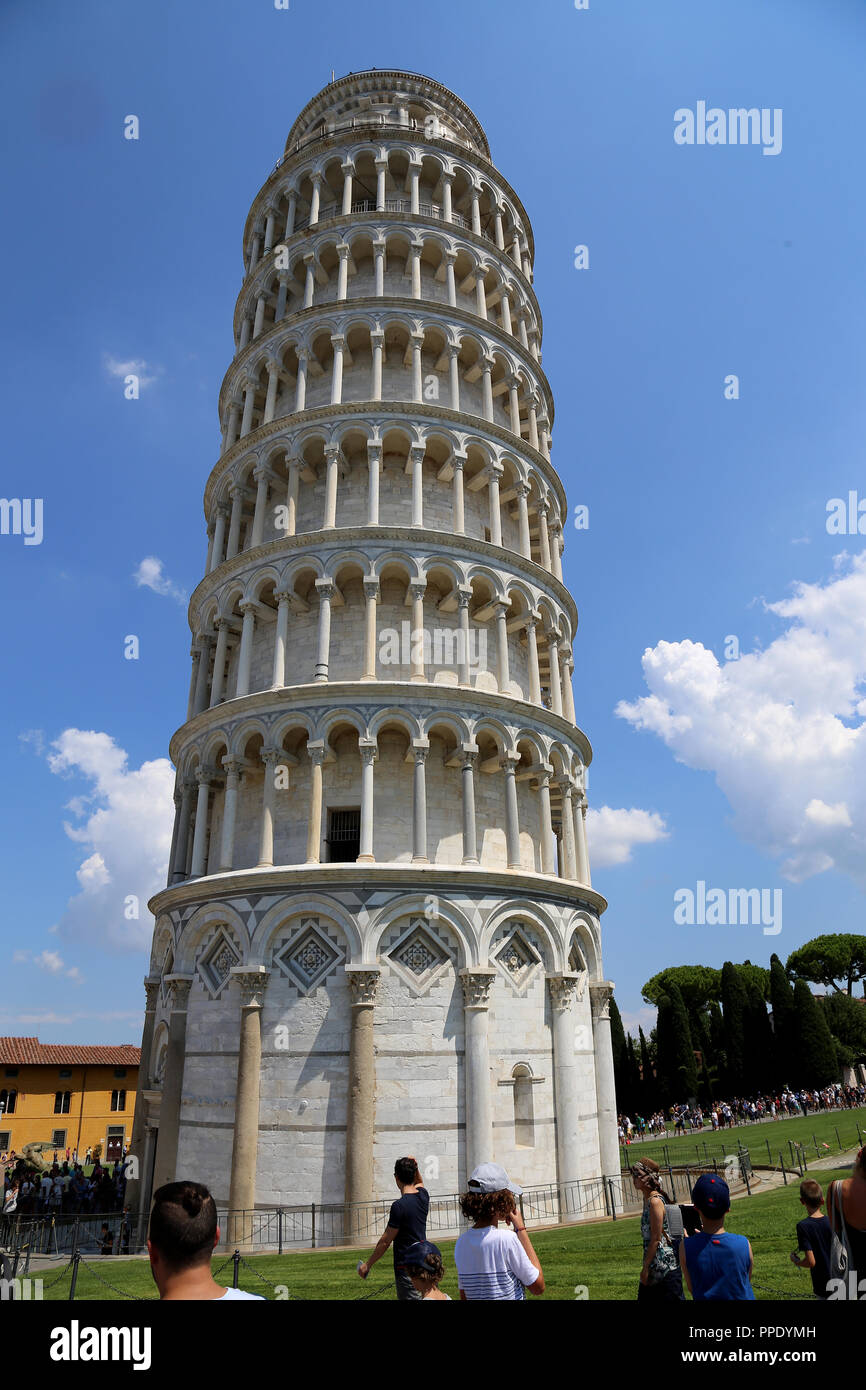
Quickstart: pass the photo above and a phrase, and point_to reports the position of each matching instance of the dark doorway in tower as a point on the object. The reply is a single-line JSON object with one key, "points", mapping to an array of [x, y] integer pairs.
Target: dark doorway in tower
{"points": [[344, 836]]}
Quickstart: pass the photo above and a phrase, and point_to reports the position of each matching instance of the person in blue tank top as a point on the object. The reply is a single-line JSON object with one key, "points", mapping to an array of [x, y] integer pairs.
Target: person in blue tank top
{"points": [[717, 1265]]}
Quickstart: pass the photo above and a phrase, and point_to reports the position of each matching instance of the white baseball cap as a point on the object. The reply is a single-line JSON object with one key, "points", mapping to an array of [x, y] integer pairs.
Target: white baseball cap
{"points": [[489, 1177]]}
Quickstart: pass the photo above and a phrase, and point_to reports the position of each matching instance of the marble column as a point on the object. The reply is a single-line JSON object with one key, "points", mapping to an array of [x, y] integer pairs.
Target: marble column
{"points": [[371, 596], [532, 622], [172, 1087], [512, 823], [523, 520], [569, 848], [368, 752], [245, 656], [600, 995], [314, 820], [281, 638], [326, 588], [135, 1186], [467, 773], [478, 1088], [199, 843], [563, 992], [233, 768], [548, 843], [181, 849], [245, 1142], [416, 466], [219, 662], [419, 803], [417, 590], [494, 472], [361, 1099], [458, 509], [270, 757], [580, 836]]}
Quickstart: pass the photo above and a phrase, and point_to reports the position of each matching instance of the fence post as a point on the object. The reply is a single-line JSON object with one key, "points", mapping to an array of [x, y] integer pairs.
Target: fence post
{"points": [[236, 1262], [612, 1196], [520, 1201], [859, 1135], [280, 1230], [715, 1165], [744, 1170], [769, 1155], [817, 1150], [838, 1140], [75, 1261], [782, 1162], [791, 1148], [313, 1224]]}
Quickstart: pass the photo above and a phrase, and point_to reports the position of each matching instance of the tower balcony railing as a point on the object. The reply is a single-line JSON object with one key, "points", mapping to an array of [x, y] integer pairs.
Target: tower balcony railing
{"points": [[380, 123], [331, 210]]}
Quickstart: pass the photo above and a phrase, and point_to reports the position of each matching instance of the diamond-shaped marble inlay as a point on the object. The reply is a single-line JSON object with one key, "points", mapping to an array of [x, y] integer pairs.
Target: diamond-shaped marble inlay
{"points": [[517, 959], [418, 956], [218, 961], [309, 957]]}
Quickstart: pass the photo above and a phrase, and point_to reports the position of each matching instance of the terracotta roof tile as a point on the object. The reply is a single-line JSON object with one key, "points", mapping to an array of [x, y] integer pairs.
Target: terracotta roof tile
{"points": [[30, 1051]]}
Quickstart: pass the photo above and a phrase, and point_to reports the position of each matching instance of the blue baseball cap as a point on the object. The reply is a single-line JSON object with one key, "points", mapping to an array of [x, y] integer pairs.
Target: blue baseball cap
{"points": [[711, 1195], [422, 1255]]}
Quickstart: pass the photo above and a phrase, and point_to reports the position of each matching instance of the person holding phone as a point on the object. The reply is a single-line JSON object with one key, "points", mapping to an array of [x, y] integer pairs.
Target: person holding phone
{"points": [[494, 1264]]}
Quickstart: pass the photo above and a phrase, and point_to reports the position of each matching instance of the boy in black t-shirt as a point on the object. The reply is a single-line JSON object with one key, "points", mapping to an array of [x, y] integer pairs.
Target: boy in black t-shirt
{"points": [[407, 1223], [814, 1238]]}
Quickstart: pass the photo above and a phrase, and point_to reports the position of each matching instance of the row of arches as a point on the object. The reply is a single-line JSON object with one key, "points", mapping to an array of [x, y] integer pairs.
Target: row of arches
{"points": [[338, 790], [394, 356], [567, 938], [375, 474], [381, 176], [382, 616], [394, 261]]}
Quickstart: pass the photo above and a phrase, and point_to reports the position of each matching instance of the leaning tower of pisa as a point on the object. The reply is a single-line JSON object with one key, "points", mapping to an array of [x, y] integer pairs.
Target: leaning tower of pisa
{"points": [[379, 934]]}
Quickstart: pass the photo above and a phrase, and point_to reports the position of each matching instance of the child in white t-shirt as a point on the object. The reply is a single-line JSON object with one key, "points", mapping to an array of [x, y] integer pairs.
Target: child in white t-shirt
{"points": [[494, 1264]]}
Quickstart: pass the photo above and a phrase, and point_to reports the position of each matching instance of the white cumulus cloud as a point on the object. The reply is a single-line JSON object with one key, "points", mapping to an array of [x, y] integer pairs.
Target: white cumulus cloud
{"points": [[783, 729], [133, 366], [612, 834], [126, 832], [149, 575]]}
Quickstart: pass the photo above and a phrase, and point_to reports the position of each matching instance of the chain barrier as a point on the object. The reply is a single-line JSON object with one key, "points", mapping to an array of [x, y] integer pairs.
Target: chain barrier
{"points": [[67, 1269], [136, 1298]]}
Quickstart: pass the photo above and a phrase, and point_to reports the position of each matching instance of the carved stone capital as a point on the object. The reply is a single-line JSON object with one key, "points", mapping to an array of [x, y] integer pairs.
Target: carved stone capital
{"points": [[178, 992], [600, 995], [563, 991], [253, 981], [476, 984], [363, 985], [151, 993]]}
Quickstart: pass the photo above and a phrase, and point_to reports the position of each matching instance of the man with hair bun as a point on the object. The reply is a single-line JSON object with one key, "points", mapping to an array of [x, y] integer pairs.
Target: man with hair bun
{"points": [[183, 1233], [493, 1263], [407, 1224]]}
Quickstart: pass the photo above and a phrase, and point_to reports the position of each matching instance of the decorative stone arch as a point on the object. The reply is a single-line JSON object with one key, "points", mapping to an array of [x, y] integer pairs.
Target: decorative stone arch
{"points": [[309, 562], [455, 723], [278, 916], [420, 905], [412, 564], [242, 733], [155, 1063], [259, 580], [537, 916], [163, 938], [200, 926], [394, 714], [287, 723], [501, 733], [580, 925], [331, 719]]}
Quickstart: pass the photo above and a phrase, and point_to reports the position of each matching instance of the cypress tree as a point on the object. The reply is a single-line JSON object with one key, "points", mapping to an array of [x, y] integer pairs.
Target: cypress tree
{"points": [[782, 1004], [758, 1037], [620, 1057], [734, 1005], [648, 1084], [677, 1069], [815, 1048]]}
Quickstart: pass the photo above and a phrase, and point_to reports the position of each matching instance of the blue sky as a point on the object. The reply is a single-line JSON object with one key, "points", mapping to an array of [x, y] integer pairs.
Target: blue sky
{"points": [[705, 261]]}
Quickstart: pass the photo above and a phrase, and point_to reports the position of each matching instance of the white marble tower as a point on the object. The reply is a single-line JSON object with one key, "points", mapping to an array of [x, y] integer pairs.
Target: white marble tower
{"points": [[379, 934]]}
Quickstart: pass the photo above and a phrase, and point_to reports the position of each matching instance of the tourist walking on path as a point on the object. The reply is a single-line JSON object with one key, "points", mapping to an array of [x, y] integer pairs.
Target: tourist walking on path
{"points": [[716, 1263], [407, 1224], [660, 1277], [493, 1263], [814, 1238]]}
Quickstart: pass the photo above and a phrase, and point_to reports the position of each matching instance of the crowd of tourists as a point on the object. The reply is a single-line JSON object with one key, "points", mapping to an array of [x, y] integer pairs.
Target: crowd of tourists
{"points": [[724, 1114], [686, 1247], [64, 1189]]}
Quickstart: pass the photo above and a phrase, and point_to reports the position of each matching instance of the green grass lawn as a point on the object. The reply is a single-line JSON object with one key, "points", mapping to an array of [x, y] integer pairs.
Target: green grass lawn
{"points": [[800, 1129], [605, 1257]]}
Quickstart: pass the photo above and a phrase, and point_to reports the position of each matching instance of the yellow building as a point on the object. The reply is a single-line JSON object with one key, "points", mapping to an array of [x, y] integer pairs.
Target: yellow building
{"points": [[70, 1097]]}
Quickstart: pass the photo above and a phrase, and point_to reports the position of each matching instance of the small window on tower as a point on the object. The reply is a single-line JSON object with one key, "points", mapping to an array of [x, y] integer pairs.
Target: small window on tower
{"points": [[344, 835]]}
